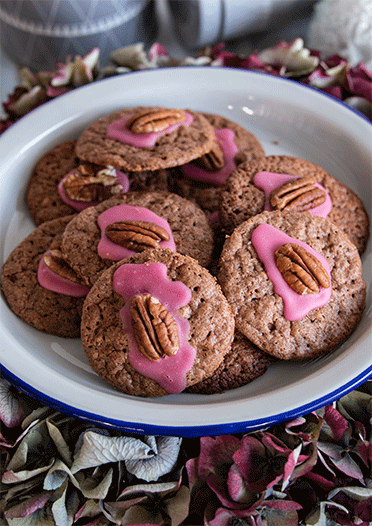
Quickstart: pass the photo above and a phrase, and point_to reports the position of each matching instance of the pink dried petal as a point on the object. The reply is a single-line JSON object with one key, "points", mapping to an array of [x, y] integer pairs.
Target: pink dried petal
{"points": [[29, 506], [157, 50], [215, 452], [11, 409], [336, 422], [359, 81], [63, 76], [53, 92]]}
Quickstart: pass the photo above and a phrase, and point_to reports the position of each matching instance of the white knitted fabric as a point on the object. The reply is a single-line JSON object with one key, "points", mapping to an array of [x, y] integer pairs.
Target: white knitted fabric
{"points": [[342, 27]]}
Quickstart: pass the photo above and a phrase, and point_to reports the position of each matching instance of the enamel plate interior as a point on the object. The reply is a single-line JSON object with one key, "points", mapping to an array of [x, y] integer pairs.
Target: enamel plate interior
{"points": [[288, 118]]}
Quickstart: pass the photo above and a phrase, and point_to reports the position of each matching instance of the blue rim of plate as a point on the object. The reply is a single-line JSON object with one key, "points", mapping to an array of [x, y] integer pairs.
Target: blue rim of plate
{"points": [[210, 429], [189, 431]]}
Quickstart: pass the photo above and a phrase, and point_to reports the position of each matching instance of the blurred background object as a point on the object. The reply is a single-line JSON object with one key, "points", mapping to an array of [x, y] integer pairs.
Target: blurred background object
{"points": [[343, 27], [199, 23], [39, 33]]}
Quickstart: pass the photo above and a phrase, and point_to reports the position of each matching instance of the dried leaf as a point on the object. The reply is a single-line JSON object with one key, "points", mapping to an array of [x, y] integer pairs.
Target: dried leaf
{"points": [[95, 486]]}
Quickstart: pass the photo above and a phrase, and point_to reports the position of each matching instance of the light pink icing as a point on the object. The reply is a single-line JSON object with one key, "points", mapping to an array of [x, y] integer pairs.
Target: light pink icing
{"points": [[225, 138], [266, 239], [269, 181], [119, 132], [51, 281], [80, 205], [151, 278], [107, 249]]}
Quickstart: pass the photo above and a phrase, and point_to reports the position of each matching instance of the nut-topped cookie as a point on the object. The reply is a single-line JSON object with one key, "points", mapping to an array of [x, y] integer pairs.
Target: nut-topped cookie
{"points": [[104, 234], [146, 138], [280, 182], [40, 287], [155, 323], [294, 283], [202, 178], [62, 184]]}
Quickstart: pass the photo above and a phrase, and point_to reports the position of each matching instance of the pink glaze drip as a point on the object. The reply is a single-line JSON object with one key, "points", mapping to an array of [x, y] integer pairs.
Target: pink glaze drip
{"points": [[119, 132], [269, 181], [151, 278], [266, 239], [51, 281], [107, 249], [225, 138], [80, 205]]}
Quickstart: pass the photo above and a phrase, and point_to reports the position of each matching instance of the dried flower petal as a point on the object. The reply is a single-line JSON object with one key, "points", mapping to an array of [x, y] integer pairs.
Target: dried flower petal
{"points": [[97, 449], [292, 59], [12, 411], [164, 461]]}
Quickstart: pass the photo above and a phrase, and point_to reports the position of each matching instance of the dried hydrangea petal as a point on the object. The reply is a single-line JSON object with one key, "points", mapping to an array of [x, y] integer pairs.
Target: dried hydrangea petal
{"points": [[163, 462]]}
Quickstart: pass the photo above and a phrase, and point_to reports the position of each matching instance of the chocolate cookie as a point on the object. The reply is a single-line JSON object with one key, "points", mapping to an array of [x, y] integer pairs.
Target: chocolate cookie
{"points": [[85, 240], [156, 323], [42, 198], [48, 311], [242, 364], [144, 138], [201, 179], [263, 275], [246, 193]]}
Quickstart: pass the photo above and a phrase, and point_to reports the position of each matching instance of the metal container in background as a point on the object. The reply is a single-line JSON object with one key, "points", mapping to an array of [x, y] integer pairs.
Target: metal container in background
{"points": [[198, 23], [38, 33]]}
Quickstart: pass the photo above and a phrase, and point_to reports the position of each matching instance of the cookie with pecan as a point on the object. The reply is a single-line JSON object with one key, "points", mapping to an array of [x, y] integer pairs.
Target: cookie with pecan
{"points": [[281, 182], [156, 323], [38, 285], [294, 282], [120, 226], [62, 184], [146, 138], [201, 179]]}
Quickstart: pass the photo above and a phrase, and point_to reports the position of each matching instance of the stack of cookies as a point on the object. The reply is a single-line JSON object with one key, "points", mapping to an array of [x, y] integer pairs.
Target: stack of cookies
{"points": [[183, 257]]}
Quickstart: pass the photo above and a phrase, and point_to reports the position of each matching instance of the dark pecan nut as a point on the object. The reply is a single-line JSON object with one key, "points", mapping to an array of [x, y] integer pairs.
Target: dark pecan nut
{"points": [[155, 330], [153, 121], [298, 195], [303, 272], [136, 235]]}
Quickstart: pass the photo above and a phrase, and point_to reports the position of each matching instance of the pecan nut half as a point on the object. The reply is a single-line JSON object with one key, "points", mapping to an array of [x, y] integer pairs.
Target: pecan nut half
{"points": [[297, 195], [213, 160], [155, 330], [56, 263], [89, 183], [303, 272], [136, 235], [153, 121]]}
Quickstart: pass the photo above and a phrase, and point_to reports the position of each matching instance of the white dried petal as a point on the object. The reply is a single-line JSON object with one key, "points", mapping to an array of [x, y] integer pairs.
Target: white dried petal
{"points": [[294, 59], [163, 462], [130, 56], [91, 59], [97, 449]]}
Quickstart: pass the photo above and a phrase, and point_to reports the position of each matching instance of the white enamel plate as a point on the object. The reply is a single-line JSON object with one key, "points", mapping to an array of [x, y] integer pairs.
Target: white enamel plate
{"points": [[287, 118]]}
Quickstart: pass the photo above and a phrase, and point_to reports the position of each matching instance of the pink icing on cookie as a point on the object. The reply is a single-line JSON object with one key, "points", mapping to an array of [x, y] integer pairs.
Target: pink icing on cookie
{"points": [[80, 205], [225, 138], [51, 281], [107, 249], [119, 132], [266, 239], [269, 181], [151, 278]]}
